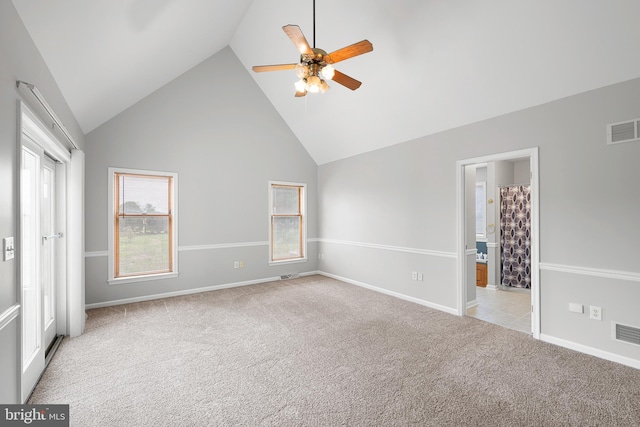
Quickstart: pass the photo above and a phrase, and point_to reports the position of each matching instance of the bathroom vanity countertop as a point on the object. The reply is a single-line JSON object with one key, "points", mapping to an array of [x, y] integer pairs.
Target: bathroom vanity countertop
{"points": [[481, 261]]}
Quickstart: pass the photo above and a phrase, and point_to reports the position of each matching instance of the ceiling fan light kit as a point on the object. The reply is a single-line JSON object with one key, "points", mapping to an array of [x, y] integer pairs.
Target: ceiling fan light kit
{"points": [[315, 66]]}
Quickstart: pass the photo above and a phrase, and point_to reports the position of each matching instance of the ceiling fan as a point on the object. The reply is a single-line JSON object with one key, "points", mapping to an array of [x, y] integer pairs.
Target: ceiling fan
{"points": [[315, 65]]}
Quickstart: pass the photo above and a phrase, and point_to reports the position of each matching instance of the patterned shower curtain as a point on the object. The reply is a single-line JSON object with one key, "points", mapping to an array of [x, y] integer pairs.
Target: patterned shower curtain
{"points": [[515, 236]]}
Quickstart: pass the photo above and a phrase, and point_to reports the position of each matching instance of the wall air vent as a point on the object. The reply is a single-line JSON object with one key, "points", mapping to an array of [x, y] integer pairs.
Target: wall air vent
{"points": [[623, 132], [626, 333], [289, 276]]}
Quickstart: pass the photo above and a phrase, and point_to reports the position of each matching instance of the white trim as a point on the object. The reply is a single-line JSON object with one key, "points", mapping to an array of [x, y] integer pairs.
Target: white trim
{"points": [[392, 293], [188, 291], [595, 272], [8, 315], [75, 245], [473, 251], [145, 278], [492, 245], [32, 126], [95, 254], [390, 248], [179, 293], [532, 155], [63, 269], [111, 280], [471, 304], [221, 246], [40, 98], [634, 363]]}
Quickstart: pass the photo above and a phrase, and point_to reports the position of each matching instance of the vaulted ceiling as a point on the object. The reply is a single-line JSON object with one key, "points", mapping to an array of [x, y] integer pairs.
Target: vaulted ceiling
{"points": [[436, 64]]}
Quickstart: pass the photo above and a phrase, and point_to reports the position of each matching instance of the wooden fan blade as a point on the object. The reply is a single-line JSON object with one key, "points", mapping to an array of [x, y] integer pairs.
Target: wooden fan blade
{"points": [[295, 34], [278, 67], [346, 81], [349, 52], [300, 94]]}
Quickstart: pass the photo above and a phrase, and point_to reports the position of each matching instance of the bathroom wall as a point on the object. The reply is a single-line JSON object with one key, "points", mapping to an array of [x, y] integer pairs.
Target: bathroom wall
{"points": [[521, 172]]}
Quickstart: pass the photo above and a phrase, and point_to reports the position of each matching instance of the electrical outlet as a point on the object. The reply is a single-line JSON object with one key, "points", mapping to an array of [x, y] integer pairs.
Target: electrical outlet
{"points": [[420, 277], [595, 312], [241, 264], [236, 264], [414, 275]]}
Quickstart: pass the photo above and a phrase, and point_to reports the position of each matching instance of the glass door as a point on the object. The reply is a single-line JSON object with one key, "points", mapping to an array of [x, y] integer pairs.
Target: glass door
{"points": [[39, 240], [30, 268], [50, 237]]}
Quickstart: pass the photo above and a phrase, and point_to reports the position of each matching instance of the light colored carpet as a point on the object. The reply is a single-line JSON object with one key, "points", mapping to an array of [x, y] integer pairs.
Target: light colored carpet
{"points": [[318, 352]]}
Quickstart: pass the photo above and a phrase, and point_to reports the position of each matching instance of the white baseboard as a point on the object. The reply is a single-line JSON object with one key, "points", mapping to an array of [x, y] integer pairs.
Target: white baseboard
{"points": [[392, 293], [491, 287], [188, 291], [634, 363], [471, 304]]}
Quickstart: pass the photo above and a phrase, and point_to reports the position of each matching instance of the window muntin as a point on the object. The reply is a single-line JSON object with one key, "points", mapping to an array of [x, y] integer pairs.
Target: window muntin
{"points": [[287, 203], [143, 233]]}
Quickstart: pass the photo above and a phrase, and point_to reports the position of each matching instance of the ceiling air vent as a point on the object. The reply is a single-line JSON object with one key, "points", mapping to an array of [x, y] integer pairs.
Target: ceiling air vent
{"points": [[623, 132], [628, 334]]}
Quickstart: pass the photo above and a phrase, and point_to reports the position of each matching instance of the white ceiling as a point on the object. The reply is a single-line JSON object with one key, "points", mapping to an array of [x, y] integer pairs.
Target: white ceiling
{"points": [[436, 64]]}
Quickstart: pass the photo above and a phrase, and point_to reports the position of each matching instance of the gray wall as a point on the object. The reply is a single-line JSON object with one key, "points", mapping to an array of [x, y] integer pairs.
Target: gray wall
{"points": [[521, 172], [385, 211], [19, 60], [216, 129]]}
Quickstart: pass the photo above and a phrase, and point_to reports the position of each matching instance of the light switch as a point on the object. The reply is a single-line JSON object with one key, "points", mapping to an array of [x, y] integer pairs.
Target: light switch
{"points": [[576, 308], [8, 248]]}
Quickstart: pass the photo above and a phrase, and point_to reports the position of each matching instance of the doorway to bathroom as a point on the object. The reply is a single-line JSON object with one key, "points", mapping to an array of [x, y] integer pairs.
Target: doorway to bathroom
{"points": [[498, 242]]}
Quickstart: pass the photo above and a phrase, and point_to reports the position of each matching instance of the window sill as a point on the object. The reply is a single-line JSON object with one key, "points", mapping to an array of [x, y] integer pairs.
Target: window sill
{"points": [[124, 280], [288, 261]]}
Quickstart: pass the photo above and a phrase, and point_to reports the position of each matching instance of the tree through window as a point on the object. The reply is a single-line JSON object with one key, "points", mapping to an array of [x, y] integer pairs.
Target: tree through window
{"points": [[287, 222], [143, 224]]}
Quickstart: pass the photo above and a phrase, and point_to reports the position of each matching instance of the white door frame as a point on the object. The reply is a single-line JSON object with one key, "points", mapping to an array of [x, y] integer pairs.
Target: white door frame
{"points": [[532, 154], [31, 129]]}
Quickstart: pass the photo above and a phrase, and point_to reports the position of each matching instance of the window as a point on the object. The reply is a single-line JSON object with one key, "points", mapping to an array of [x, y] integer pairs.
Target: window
{"points": [[481, 211], [287, 237], [142, 225]]}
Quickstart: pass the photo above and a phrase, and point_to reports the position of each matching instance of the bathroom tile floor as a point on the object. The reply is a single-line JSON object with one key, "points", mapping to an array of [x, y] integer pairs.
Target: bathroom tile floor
{"points": [[511, 309]]}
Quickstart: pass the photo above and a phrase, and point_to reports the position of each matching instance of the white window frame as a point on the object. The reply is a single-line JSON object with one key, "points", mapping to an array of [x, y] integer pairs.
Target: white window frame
{"points": [[303, 209], [112, 280]]}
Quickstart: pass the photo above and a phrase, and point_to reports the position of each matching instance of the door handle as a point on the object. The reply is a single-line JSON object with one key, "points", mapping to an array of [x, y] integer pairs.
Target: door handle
{"points": [[53, 236]]}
